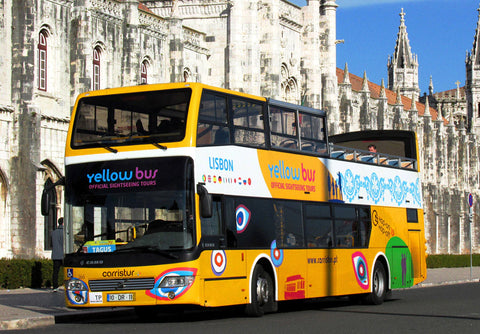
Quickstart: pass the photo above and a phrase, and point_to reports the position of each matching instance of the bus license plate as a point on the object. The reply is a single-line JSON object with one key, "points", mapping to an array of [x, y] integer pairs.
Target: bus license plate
{"points": [[120, 297]]}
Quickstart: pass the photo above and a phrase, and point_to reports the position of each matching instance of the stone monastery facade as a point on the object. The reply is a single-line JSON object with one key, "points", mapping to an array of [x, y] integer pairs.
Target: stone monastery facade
{"points": [[53, 50]]}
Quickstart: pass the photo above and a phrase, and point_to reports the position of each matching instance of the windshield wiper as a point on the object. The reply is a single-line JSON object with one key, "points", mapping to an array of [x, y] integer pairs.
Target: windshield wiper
{"points": [[111, 149], [162, 147], [148, 248]]}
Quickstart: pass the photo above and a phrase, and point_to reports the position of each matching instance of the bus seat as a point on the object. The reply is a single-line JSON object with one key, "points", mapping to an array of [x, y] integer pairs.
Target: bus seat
{"points": [[338, 154], [140, 129], [289, 143], [308, 147], [393, 162], [366, 158]]}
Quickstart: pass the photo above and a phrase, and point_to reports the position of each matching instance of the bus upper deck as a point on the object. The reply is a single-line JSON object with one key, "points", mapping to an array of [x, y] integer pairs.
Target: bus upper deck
{"points": [[166, 115]]}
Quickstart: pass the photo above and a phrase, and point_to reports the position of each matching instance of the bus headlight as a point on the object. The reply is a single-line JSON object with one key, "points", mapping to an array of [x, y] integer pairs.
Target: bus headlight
{"points": [[176, 281], [76, 285]]}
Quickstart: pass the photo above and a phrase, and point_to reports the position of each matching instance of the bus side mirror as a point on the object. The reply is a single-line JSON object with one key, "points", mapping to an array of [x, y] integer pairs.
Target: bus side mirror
{"points": [[45, 203], [205, 201]]}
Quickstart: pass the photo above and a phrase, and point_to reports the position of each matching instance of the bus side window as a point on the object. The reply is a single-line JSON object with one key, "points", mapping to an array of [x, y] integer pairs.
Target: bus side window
{"points": [[312, 131], [213, 225], [248, 122], [318, 226], [230, 224], [289, 233], [346, 229], [212, 228], [352, 226], [212, 121], [283, 127], [364, 227]]}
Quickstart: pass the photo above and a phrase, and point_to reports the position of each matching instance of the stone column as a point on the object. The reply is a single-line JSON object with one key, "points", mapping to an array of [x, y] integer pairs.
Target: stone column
{"points": [[26, 131]]}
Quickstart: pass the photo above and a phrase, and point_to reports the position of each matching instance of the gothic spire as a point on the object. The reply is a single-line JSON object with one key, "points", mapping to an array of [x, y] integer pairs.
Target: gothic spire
{"points": [[413, 107], [383, 95], [403, 64], [403, 56], [427, 108], [475, 56], [365, 82], [399, 97], [346, 75], [430, 87]]}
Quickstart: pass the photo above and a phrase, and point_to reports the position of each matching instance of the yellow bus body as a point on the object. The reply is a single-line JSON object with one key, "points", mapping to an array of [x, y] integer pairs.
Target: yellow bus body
{"points": [[304, 273]]}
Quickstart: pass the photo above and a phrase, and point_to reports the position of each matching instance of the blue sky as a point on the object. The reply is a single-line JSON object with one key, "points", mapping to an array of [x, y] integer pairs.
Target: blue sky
{"points": [[440, 33]]}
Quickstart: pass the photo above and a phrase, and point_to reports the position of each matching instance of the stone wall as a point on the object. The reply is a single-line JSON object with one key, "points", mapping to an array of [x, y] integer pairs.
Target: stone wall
{"points": [[270, 48]]}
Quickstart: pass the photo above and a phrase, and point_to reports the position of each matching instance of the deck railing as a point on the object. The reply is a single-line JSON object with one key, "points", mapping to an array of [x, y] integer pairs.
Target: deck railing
{"points": [[376, 158]]}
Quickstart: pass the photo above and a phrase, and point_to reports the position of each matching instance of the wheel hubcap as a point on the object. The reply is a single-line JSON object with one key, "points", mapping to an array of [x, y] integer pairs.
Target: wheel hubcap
{"points": [[262, 291], [378, 284]]}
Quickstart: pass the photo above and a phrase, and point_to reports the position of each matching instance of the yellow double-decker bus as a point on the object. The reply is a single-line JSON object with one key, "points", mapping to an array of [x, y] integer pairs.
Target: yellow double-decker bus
{"points": [[186, 194]]}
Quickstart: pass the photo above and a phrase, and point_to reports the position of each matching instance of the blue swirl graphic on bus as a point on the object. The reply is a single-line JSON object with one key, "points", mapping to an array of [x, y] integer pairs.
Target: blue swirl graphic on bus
{"points": [[377, 188], [361, 269], [398, 189], [185, 278], [350, 184], [242, 217], [78, 297], [276, 254]]}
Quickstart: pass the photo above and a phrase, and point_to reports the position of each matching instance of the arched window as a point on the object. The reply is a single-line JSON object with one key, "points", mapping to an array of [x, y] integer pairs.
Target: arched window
{"points": [[96, 68], [42, 60], [50, 220], [187, 74], [143, 72], [54, 195], [288, 85]]}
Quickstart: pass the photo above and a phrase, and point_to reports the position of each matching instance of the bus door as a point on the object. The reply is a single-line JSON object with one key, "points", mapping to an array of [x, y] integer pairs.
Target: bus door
{"points": [[288, 252], [416, 243], [223, 265], [321, 255]]}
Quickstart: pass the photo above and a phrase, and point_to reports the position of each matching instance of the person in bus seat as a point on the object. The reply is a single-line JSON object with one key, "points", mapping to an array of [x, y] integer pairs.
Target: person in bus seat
{"points": [[222, 137], [140, 129]]}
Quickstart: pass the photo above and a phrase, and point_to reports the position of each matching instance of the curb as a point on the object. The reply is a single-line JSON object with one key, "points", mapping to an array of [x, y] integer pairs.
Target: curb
{"points": [[50, 320], [28, 323], [428, 285]]}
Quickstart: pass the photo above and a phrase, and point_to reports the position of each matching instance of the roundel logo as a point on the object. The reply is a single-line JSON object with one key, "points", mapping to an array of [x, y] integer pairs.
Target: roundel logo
{"points": [[242, 217], [361, 269], [276, 254], [219, 262]]}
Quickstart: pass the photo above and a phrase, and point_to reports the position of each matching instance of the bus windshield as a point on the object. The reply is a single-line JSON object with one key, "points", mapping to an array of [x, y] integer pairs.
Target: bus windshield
{"points": [[122, 119], [131, 205]]}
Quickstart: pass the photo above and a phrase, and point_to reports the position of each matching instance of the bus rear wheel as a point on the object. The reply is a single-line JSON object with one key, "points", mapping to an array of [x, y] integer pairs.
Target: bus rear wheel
{"points": [[262, 298], [379, 286]]}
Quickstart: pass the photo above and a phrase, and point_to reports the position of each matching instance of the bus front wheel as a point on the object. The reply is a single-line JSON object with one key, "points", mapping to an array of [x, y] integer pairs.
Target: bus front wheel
{"points": [[262, 297], [379, 286]]}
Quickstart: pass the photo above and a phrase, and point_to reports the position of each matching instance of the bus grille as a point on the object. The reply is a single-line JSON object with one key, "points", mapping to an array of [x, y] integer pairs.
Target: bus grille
{"points": [[122, 284]]}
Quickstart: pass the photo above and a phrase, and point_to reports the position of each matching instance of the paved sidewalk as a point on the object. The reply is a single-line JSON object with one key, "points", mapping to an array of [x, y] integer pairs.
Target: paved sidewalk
{"points": [[29, 308]]}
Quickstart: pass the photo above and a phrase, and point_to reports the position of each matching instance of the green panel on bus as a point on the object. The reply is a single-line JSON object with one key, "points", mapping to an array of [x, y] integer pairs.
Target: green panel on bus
{"points": [[400, 259]]}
